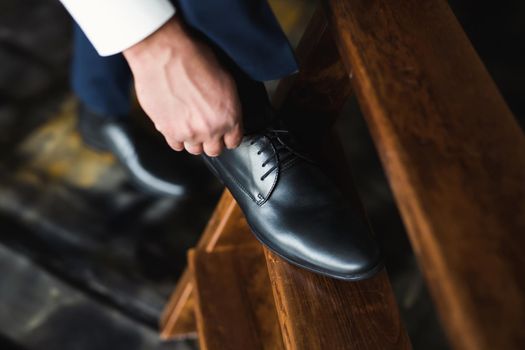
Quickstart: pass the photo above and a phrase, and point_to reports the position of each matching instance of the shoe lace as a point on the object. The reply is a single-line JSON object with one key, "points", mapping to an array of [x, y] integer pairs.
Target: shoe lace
{"points": [[285, 154]]}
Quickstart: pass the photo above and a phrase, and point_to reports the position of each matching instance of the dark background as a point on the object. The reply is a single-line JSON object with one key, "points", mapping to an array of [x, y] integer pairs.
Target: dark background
{"points": [[87, 261]]}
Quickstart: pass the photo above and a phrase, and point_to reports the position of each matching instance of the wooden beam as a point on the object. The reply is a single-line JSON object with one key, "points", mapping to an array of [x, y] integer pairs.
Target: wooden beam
{"points": [[234, 301], [454, 155], [324, 313], [227, 226]]}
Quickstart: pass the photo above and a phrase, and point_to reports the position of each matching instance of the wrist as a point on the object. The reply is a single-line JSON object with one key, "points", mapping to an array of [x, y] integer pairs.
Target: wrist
{"points": [[166, 40]]}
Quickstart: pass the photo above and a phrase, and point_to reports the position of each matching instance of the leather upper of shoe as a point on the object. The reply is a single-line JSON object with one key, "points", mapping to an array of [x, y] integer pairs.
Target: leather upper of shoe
{"points": [[150, 162], [121, 142], [295, 209]]}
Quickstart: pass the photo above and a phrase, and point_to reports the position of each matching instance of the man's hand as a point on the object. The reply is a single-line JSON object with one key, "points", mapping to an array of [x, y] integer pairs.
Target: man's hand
{"points": [[189, 96]]}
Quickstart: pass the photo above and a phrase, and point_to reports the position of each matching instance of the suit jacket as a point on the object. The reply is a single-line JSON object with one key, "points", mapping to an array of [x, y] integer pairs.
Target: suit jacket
{"points": [[246, 30]]}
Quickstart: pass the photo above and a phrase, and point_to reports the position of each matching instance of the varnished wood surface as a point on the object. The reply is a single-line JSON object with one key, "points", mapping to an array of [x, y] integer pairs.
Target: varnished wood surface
{"points": [[234, 302], [227, 226], [320, 313], [178, 318], [455, 158]]}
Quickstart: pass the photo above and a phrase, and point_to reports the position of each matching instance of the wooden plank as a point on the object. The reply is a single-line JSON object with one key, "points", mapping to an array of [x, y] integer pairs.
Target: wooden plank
{"points": [[454, 155], [178, 318], [227, 226], [316, 312], [235, 308]]}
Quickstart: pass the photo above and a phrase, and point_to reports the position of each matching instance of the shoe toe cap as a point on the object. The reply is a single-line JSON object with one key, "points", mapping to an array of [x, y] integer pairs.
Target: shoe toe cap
{"points": [[351, 259], [341, 251]]}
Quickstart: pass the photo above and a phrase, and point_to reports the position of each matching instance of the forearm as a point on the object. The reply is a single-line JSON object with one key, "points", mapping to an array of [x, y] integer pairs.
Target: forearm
{"points": [[170, 39]]}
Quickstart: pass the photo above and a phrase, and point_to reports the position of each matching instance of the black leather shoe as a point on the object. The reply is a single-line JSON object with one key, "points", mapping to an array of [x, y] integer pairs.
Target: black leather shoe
{"points": [[152, 165], [295, 210]]}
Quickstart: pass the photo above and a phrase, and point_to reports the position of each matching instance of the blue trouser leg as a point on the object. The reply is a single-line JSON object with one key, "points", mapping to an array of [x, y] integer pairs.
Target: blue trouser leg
{"points": [[253, 42], [102, 83]]}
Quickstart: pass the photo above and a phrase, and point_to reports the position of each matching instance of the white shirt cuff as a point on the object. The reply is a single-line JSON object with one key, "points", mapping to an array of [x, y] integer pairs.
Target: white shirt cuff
{"points": [[115, 25]]}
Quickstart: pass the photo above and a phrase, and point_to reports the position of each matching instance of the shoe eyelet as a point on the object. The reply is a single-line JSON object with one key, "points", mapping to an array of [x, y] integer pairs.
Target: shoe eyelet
{"points": [[259, 153], [263, 165], [262, 178]]}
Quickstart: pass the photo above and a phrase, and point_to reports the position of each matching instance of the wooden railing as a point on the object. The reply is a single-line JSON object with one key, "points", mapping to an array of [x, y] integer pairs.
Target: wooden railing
{"points": [[455, 159]]}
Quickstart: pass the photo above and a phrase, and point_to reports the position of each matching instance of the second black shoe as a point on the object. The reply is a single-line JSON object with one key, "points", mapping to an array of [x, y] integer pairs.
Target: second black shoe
{"points": [[295, 210], [151, 164]]}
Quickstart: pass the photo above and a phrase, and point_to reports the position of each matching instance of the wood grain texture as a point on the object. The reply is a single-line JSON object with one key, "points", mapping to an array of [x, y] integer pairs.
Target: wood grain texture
{"points": [[227, 226], [454, 155], [317, 312], [235, 308]]}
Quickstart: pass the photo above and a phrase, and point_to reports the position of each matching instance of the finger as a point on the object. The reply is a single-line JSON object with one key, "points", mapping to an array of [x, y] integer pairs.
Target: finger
{"points": [[193, 148], [214, 147], [177, 146], [233, 138], [172, 141]]}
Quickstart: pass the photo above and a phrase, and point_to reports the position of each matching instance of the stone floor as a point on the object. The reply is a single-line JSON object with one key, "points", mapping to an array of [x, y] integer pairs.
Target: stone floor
{"points": [[87, 261]]}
